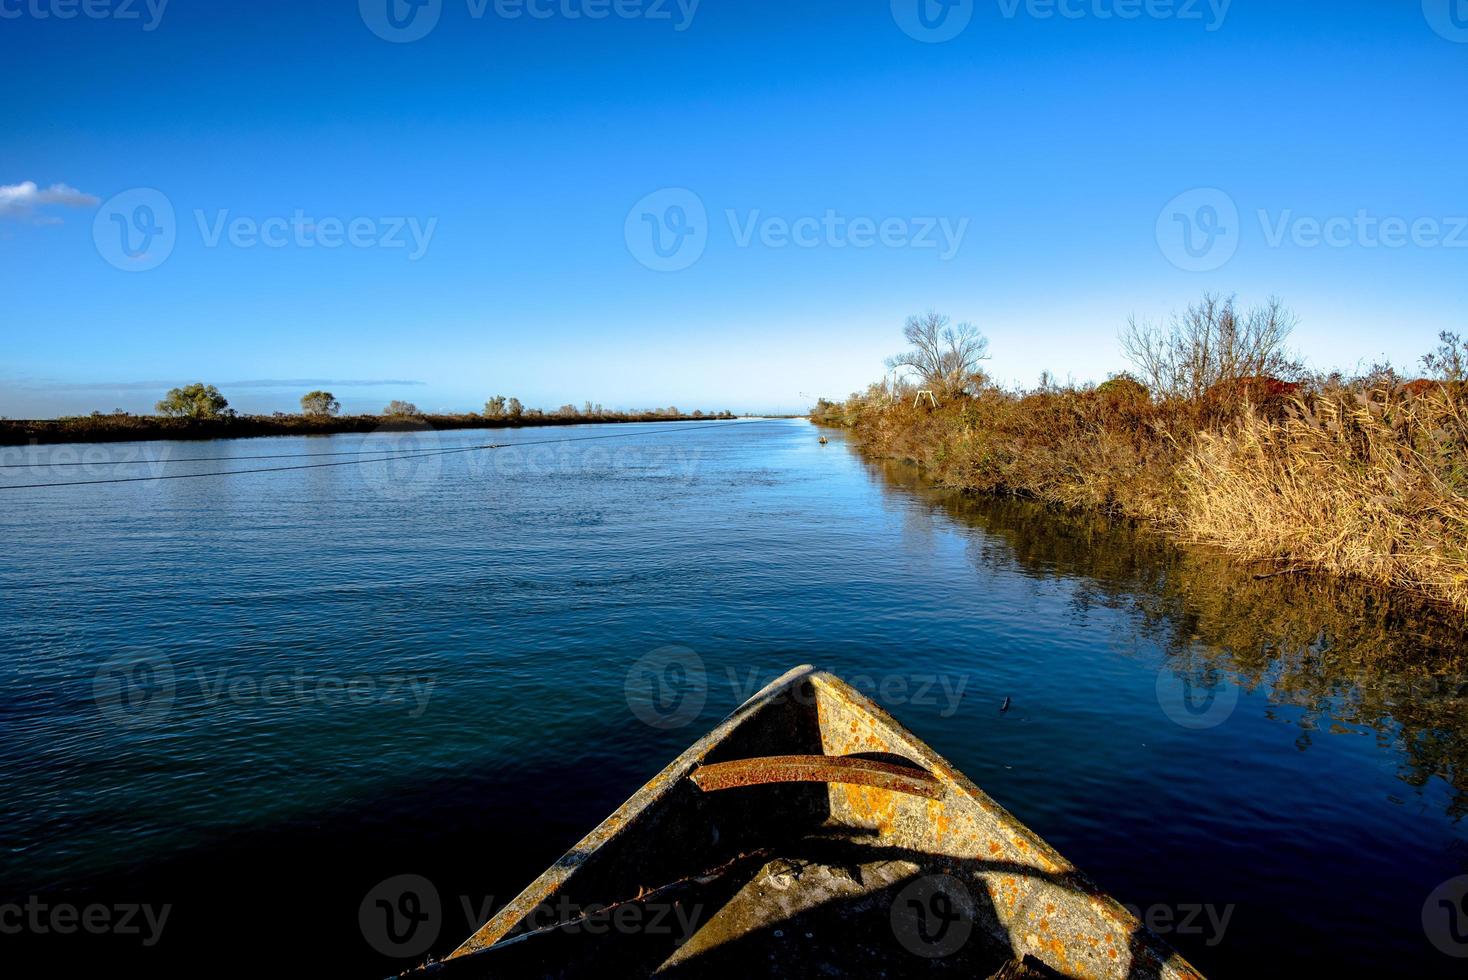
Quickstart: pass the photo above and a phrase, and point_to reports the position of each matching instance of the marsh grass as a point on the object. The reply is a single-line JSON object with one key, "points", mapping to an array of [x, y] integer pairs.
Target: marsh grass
{"points": [[1369, 482]]}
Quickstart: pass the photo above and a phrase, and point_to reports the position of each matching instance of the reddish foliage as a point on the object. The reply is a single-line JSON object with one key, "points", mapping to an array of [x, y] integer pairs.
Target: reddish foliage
{"points": [[1420, 387], [1260, 391]]}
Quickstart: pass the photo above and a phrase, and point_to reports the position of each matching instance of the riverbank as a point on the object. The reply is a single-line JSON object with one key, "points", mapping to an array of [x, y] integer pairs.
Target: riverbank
{"points": [[135, 428], [1357, 480]]}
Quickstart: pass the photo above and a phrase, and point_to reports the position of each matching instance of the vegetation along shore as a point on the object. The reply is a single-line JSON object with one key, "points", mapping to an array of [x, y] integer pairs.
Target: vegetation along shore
{"points": [[200, 411], [1219, 436]]}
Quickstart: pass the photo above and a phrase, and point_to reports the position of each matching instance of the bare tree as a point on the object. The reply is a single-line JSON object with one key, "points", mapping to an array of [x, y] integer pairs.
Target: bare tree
{"points": [[945, 357], [1211, 343]]}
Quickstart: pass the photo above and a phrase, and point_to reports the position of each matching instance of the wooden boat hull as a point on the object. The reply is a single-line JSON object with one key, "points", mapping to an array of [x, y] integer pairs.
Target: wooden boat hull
{"points": [[912, 871]]}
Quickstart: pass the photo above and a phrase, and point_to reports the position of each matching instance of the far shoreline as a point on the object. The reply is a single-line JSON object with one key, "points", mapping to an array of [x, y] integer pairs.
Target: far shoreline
{"points": [[149, 428]]}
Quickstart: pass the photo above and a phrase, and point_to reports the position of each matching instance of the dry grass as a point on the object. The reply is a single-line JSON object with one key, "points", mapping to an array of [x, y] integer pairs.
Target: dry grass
{"points": [[1367, 484]]}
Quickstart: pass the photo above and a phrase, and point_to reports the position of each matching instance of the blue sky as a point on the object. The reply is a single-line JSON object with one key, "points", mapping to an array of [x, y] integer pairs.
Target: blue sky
{"points": [[493, 187]]}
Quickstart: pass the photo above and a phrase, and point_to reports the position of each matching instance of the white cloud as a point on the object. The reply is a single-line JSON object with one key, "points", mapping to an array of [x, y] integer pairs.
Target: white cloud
{"points": [[21, 202]]}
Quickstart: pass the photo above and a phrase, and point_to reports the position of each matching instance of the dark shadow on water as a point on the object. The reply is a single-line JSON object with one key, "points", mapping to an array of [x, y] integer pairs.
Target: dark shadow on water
{"points": [[1339, 652]]}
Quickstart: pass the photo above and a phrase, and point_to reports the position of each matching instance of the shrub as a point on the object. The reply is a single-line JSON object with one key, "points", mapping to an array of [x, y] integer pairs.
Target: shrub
{"points": [[320, 404], [195, 401]]}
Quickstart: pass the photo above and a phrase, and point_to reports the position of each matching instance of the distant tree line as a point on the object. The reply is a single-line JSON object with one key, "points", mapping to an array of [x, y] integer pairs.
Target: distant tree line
{"points": [[204, 401]]}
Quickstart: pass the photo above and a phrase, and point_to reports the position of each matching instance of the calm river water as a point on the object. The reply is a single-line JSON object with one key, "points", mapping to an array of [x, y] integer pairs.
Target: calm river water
{"points": [[250, 699]]}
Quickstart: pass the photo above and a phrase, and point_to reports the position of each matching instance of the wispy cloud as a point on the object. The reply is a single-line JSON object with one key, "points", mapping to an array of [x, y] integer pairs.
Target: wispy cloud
{"points": [[24, 201], [38, 385]]}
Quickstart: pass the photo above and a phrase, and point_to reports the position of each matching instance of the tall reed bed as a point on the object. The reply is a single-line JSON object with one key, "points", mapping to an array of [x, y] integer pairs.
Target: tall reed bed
{"points": [[1365, 477], [1370, 484]]}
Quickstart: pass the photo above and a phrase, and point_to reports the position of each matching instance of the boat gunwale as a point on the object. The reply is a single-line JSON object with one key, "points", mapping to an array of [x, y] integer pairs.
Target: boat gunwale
{"points": [[649, 795], [960, 791]]}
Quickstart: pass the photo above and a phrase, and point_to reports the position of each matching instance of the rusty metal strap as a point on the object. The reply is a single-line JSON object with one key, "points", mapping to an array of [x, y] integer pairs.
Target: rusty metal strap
{"points": [[816, 769]]}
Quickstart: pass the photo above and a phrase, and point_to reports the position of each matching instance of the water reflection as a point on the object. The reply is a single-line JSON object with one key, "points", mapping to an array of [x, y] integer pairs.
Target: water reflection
{"points": [[1345, 657]]}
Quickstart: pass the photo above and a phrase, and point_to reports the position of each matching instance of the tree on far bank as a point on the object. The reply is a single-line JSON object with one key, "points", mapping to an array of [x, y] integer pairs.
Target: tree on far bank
{"points": [[396, 407], [514, 409], [495, 407], [1211, 344], [944, 357], [195, 401], [321, 403]]}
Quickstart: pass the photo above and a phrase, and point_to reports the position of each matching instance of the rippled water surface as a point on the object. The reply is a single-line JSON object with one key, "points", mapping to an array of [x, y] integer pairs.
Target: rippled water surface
{"points": [[252, 698]]}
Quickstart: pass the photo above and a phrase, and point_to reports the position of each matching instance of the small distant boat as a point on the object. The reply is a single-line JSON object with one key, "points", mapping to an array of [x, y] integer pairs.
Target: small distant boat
{"points": [[810, 834], [824, 440]]}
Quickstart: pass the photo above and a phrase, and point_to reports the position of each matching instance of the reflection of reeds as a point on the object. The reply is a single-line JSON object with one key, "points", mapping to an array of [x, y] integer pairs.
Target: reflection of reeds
{"points": [[1370, 485], [1336, 651]]}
